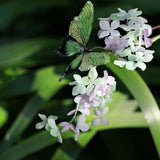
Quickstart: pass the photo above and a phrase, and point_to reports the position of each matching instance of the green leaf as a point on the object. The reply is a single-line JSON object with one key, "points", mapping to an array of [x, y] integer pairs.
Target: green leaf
{"points": [[43, 139], [12, 9], [144, 97], [152, 72], [3, 116], [39, 81], [45, 89], [11, 54]]}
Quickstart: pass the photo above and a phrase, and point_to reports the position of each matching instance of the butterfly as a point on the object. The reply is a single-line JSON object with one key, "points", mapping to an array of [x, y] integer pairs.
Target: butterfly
{"points": [[76, 43]]}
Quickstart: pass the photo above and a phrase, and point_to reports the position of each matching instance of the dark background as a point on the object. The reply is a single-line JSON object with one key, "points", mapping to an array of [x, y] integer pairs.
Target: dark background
{"points": [[48, 22]]}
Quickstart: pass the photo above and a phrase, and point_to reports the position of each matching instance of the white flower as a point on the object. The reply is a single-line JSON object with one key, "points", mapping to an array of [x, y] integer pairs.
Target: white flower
{"points": [[80, 84], [107, 29], [54, 131], [44, 122], [122, 14], [101, 119], [81, 125], [50, 125], [138, 59], [93, 80], [133, 23]]}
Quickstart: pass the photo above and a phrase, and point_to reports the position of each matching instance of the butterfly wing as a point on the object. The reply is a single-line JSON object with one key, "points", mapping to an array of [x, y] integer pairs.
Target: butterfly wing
{"points": [[73, 66], [69, 47], [79, 32], [81, 26], [92, 59]]}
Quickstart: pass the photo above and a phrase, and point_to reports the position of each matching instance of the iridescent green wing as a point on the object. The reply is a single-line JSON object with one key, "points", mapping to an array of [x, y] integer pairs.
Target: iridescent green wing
{"points": [[73, 66], [69, 47], [93, 59], [81, 26], [79, 32]]}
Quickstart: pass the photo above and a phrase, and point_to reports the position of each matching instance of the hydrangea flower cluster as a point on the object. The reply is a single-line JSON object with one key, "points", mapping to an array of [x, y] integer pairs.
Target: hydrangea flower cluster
{"points": [[91, 92], [127, 35], [50, 125]]}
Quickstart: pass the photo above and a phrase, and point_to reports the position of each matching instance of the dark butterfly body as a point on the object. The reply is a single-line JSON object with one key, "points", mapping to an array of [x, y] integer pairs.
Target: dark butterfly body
{"points": [[76, 42]]}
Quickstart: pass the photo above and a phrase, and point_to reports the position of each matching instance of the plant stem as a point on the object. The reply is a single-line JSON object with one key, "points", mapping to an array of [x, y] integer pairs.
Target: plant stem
{"points": [[156, 27]]}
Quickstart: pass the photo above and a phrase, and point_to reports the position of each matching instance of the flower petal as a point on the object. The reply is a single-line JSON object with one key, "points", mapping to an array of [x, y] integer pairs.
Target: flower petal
{"points": [[95, 122], [54, 132], [105, 75], [84, 127], [90, 88], [71, 112], [120, 62], [77, 77], [97, 112], [93, 74], [66, 128], [141, 65], [42, 117], [73, 83], [147, 58], [84, 111], [104, 24], [105, 111], [148, 28], [125, 27], [104, 121], [148, 42], [115, 24], [82, 89], [51, 122], [40, 125], [130, 65], [85, 81], [110, 80], [115, 33], [47, 127], [59, 137], [102, 34], [77, 134], [63, 124], [53, 117], [76, 90], [81, 119], [99, 81]]}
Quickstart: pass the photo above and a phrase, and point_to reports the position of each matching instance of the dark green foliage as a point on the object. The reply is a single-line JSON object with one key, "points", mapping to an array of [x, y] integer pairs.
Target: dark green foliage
{"points": [[29, 73]]}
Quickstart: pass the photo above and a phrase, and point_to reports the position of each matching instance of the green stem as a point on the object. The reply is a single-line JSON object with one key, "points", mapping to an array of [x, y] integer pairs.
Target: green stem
{"points": [[144, 97], [156, 38]]}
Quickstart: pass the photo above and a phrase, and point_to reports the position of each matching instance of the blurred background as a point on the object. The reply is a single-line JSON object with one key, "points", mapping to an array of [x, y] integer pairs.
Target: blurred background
{"points": [[29, 72]]}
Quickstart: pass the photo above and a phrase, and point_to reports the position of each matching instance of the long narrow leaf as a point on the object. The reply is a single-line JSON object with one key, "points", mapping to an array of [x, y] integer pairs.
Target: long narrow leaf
{"points": [[144, 97], [46, 82], [43, 139]]}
